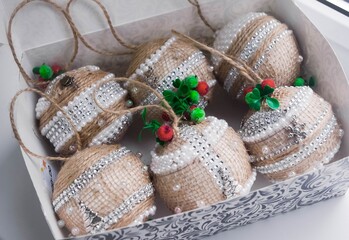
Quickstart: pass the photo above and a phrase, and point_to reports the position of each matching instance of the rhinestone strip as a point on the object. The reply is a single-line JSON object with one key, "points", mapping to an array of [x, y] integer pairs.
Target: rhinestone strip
{"points": [[81, 182], [283, 148], [111, 133], [227, 35], [154, 58], [82, 110], [43, 104], [264, 124], [261, 60], [124, 208], [303, 153], [270, 47], [250, 48], [184, 69], [183, 156], [212, 162]]}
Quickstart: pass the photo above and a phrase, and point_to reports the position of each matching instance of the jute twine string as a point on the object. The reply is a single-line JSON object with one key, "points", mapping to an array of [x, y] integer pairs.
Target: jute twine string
{"points": [[113, 31], [196, 4], [244, 70], [166, 108], [26, 77], [17, 135]]}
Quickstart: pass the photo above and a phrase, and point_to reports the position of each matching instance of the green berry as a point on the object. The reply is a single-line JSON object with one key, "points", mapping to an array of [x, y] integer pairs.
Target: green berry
{"points": [[183, 90], [191, 81], [36, 70], [299, 82], [194, 96], [45, 71], [197, 115]]}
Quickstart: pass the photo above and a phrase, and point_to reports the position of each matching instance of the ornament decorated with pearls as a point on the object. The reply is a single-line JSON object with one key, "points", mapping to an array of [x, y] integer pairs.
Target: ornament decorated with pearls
{"points": [[90, 198], [163, 61], [77, 100], [264, 44], [301, 134], [208, 154]]}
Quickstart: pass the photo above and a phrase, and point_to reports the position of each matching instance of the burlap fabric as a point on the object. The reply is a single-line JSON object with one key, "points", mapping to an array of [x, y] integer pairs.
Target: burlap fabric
{"points": [[316, 116], [281, 63], [197, 184], [175, 55], [83, 79], [106, 191]]}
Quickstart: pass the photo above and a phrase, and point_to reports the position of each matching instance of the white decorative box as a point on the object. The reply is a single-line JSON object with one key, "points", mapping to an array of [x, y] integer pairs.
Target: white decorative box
{"points": [[265, 199]]}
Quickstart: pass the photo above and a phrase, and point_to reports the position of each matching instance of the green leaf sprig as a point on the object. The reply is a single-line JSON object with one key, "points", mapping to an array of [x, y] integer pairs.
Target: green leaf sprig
{"points": [[255, 98], [184, 98], [300, 82], [152, 125]]}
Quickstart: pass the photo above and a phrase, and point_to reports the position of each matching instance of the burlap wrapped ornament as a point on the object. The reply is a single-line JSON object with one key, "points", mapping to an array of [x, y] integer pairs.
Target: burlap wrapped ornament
{"points": [[158, 63], [205, 163], [74, 92], [300, 135], [264, 44], [102, 188]]}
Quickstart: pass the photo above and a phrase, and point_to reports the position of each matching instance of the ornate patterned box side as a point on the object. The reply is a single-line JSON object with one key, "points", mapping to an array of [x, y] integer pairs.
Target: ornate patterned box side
{"points": [[320, 61], [331, 181]]}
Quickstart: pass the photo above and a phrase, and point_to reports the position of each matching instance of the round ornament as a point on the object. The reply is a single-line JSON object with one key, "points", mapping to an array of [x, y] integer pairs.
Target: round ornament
{"points": [[102, 188], [205, 163], [74, 91], [298, 136], [158, 63], [264, 44]]}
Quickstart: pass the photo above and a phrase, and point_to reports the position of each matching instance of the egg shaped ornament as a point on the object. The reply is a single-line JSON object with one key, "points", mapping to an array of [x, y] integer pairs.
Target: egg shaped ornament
{"points": [[266, 45], [158, 63], [206, 163], [74, 91], [102, 188], [299, 136]]}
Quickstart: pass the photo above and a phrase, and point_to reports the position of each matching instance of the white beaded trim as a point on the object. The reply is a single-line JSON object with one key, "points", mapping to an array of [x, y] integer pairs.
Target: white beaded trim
{"points": [[82, 110], [302, 154], [297, 104], [248, 185], [250, 48], [227, 35], [154, 58], [112, 132], [82, 181], [183, 156], [43, 104], [147, 213]]}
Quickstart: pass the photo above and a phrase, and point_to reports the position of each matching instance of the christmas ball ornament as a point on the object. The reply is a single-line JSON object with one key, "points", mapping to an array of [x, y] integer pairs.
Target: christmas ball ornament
{"points": [[74, 91], [203, 164], [264, 44], [102, 188], [160, 62], [301, 134]]}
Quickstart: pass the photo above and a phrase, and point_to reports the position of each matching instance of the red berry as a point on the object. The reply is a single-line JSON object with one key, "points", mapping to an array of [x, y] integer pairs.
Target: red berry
{"points": [[192, 107], [268, 82], [202, 88], [165, 116], [165, 133], [56, 68], [247, 90]]}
